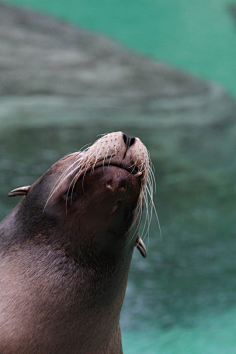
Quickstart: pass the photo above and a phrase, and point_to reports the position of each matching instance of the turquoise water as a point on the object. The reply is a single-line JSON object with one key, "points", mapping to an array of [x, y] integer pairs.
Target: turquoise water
{"points": [[196, 35], [212, 336], [181, 299]]}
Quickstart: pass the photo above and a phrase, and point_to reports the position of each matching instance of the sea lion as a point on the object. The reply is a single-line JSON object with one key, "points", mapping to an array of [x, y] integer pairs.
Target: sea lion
{"points": [[66, 250]]}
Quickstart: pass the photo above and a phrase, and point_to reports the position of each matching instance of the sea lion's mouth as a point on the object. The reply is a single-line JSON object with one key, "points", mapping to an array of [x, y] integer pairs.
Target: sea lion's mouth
{"points": [[131, 169], [112, 175]]}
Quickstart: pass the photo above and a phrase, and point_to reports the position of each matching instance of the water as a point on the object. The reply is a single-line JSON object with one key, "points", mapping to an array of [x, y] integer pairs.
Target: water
{"points": [[181, 299], [196, 35]]}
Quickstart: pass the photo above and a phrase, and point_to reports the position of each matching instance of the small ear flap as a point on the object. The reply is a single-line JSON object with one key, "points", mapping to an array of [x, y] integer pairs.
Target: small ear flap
{"points": [[141, 246], [19, 191]]}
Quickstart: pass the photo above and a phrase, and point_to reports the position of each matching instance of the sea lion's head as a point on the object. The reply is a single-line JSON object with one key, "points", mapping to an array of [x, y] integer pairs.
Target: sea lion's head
{"points": [[92, 197]]}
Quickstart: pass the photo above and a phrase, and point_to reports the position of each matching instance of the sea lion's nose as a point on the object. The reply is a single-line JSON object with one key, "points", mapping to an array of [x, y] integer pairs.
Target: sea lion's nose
{"points": [[128, 140]]}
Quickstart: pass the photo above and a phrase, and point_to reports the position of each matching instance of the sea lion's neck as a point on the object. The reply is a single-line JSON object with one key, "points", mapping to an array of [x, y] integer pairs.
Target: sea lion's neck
{"points": [[104, 270], [99, 250], [86, 289]]}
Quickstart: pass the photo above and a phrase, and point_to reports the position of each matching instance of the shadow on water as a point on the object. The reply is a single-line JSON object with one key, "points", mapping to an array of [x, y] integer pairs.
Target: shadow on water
{"points": [[189, 275]]}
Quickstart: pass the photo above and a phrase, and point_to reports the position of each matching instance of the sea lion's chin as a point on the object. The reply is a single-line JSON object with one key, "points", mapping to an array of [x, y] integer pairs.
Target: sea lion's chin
{"points": [[103, 204]]}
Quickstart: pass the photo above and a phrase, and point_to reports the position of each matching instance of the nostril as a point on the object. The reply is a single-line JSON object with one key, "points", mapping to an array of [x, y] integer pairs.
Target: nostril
{"points": [[132, 141], [128, 140]]}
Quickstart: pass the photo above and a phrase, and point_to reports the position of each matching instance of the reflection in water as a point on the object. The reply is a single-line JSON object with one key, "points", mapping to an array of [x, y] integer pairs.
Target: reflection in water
{"points": [[188, 277]]}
